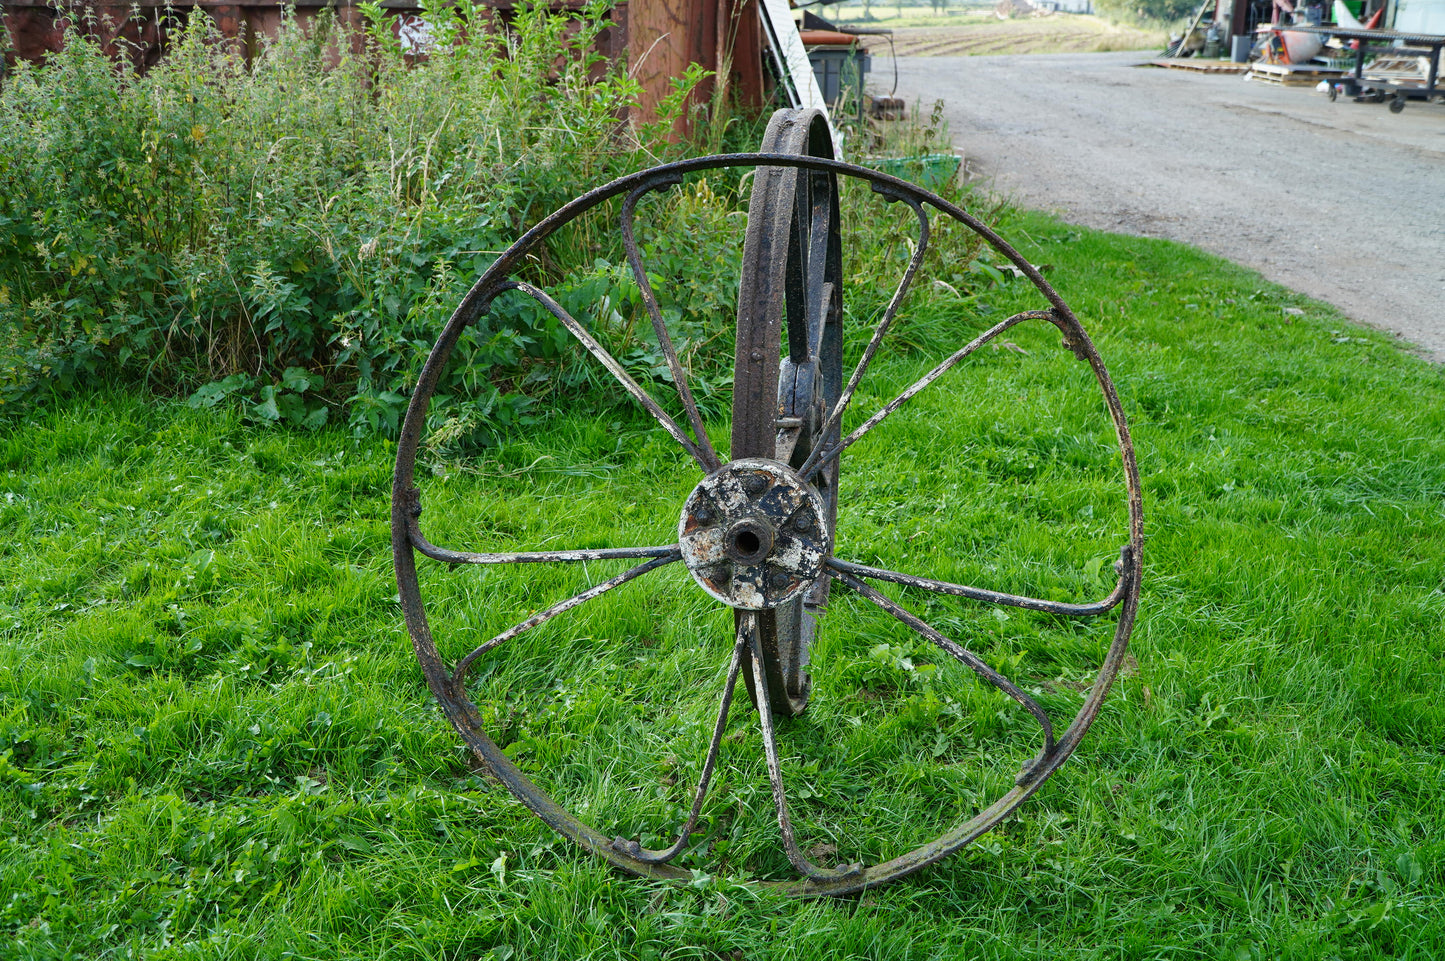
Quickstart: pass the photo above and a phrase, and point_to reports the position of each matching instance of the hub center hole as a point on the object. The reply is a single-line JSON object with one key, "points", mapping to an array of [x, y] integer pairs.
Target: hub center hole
{"points": [[749, 540]]}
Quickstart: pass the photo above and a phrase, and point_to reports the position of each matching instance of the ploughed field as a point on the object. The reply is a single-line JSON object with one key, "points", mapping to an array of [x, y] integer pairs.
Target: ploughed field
{"points": [[984, 35]]}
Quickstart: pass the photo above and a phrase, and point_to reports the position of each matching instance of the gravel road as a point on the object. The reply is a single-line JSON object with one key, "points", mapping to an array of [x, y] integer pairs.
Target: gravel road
{"points": [[1342, 201]]}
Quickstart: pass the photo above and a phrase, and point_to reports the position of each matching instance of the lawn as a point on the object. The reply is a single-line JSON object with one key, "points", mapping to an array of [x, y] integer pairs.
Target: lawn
{"points": [[215, 741]]}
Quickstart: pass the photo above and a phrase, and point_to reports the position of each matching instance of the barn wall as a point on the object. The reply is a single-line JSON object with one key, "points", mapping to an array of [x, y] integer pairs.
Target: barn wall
{"points": [[140, 32], [657, 39], [665, 36]]}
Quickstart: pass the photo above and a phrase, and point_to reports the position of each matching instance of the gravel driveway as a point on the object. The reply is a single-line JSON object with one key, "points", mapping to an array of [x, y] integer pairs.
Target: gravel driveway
{"points": [[1342, 201]]}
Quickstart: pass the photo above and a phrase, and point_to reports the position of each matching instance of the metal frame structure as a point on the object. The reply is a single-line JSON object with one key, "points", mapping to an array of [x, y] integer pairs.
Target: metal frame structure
{"points": [[1396, 92], [757, 532]]}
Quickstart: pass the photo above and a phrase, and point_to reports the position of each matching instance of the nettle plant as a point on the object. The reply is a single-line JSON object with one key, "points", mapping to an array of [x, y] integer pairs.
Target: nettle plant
{"points": [[288, 235]]}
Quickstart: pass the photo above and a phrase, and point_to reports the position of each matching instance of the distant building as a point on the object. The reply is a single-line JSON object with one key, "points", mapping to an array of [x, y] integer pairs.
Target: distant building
{"points": [[1418, 16]]}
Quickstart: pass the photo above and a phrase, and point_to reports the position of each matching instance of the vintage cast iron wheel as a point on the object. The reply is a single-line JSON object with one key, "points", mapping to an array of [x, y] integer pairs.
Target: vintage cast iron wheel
{"points": [[757, 532]]}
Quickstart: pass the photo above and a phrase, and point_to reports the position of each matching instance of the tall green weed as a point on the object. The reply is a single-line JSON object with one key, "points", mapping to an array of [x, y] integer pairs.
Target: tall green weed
{"points": [[287, 236], [292, 233]]}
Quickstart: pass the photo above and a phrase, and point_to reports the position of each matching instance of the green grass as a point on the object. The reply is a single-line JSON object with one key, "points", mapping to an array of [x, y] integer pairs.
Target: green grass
{"points": [[215, 743]]}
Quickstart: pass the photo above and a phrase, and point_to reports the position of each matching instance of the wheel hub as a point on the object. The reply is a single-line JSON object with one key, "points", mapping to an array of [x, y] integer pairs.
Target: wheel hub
{"points": [[753, 534]]}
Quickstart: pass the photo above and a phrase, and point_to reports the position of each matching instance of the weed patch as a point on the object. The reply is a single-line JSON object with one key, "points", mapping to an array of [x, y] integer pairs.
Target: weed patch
{"points": [[285, 235]]}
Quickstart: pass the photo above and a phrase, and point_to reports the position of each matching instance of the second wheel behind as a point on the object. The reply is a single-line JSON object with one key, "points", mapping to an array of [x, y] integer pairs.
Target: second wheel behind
{"points": [[789, 366]]}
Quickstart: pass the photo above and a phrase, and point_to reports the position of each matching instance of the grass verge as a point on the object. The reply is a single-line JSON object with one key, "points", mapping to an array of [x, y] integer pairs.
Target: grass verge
{"points": [[214, 742]]}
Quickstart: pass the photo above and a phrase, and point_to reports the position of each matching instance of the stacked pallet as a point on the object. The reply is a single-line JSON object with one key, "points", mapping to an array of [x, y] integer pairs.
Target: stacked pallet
{"points": [[1293, 74], [1398, 71], [1200, 65]]}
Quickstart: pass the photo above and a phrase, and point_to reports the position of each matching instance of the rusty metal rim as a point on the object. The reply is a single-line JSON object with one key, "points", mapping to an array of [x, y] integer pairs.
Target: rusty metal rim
{"points": [[789, 354], [448, 687]]}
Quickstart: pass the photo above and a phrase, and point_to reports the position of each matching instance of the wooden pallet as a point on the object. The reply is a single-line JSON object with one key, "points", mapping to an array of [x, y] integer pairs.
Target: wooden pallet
{"points": [[1199, 65], [1395, 76], [1406, 66], [1293, 74]]}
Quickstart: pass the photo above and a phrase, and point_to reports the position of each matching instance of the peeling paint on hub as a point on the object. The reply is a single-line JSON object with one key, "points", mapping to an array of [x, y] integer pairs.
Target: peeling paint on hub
{"points": [[753, 535]]}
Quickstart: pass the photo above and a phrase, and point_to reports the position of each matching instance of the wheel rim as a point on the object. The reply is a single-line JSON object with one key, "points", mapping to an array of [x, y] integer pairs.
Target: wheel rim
{"points": [[750, 657]]}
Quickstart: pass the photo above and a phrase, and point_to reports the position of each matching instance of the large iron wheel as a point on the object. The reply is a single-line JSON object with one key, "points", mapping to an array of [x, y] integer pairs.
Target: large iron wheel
{"points": [[757, 532]]}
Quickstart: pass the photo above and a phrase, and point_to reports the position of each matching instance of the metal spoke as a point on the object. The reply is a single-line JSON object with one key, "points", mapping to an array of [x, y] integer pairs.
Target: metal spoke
{"points": [[823, 455], [1122, 567], [835, 416], [465, 663], [817, 308], [796, 274], [541, 557], [597, 350], [748, 624], [711, 461], [959, 653], [634, 848], [418, 540], [447, 556]]}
